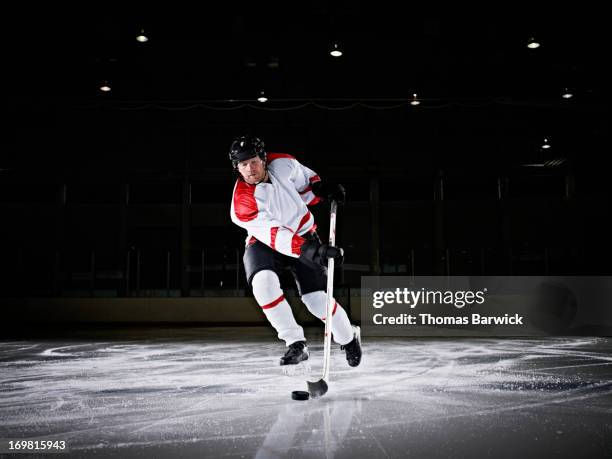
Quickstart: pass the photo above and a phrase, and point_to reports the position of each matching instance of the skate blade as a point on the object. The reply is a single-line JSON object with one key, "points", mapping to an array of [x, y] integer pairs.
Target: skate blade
{"points": [[299, 369]]}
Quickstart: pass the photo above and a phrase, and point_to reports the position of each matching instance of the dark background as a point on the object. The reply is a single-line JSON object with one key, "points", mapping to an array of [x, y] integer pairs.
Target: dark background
{"points": [[128, 192]]}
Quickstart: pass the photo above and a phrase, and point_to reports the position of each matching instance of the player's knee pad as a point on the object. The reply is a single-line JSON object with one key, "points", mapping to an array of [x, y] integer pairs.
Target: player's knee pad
{"points": [[316, 302], [266, 287]]}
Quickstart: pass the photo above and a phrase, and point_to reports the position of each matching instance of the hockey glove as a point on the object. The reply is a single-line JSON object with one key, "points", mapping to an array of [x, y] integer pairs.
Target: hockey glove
{"points": [[329, 191], [317, 253]]}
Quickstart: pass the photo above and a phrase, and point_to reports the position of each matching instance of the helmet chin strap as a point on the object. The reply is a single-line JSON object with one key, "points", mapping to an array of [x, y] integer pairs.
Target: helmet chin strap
{"points": [[264, 179]]}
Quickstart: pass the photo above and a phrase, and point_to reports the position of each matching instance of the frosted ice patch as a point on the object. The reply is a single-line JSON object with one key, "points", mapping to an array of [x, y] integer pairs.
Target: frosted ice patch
{"points": [[302, 368]]}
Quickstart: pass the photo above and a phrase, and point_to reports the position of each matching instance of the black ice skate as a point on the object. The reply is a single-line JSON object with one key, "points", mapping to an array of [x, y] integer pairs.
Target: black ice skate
{"points": [[296, 353], [353, 349]]}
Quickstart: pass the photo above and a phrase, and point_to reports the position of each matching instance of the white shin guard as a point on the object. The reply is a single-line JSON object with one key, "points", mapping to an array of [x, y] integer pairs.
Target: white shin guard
{"points": [[342, 331], [267, 292]]}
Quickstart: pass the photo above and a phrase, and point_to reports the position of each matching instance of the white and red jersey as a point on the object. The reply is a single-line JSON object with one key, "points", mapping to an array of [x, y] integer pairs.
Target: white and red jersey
{"points": [[277, 213]]}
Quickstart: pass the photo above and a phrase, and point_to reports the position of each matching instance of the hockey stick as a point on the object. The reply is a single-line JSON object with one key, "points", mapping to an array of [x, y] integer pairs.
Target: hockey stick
{"points": [[319, 388]]}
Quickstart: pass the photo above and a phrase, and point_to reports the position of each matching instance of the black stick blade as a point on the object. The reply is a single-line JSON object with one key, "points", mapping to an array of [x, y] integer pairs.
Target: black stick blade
{"points": [[317, 388]]}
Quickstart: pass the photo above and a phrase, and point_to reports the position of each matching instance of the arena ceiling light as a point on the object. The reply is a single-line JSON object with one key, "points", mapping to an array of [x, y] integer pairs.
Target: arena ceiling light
{"points": [[533, 44], [262, 97], [335, 51], [105, 87], [141, 37], [414, 100], [545, 145]]}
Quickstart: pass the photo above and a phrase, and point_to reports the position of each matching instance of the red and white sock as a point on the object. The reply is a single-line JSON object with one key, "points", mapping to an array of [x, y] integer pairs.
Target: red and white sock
{"points": [[267, 292], [342, 331]]}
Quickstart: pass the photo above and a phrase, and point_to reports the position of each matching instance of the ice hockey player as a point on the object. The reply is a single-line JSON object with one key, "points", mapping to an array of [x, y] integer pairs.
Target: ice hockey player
{"points": [[270, 201]]}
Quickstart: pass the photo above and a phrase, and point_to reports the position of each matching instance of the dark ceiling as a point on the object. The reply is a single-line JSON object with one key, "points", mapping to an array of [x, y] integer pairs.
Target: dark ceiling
{"points": [[485, 96]]}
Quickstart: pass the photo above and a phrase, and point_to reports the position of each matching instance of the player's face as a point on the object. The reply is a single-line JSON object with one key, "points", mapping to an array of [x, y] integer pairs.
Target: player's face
{"points": [[252, 170]]}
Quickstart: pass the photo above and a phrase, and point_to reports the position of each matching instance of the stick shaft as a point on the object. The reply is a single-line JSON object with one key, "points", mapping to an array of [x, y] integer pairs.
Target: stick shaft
{"points": [[330, 294]]}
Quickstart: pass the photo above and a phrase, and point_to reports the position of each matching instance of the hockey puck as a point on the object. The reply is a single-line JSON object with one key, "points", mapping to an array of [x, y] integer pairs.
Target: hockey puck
{"points": [[300, 395]]}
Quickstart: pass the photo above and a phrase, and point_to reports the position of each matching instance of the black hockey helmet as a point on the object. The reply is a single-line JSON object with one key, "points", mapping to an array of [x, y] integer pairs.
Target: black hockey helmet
{"points": [[246, 147]]}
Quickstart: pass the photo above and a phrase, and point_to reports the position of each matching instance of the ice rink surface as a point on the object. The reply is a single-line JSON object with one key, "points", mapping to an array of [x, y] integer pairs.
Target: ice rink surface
{"points": [[219, 392]]}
